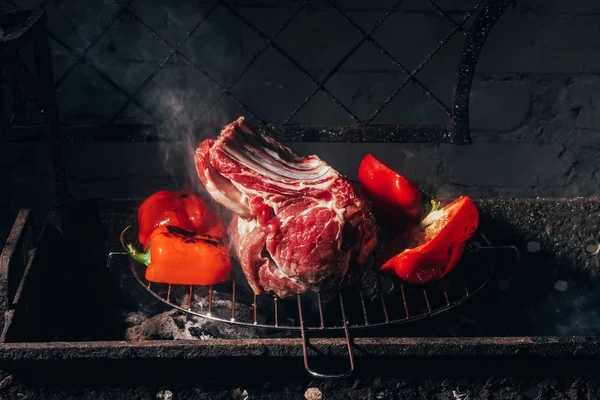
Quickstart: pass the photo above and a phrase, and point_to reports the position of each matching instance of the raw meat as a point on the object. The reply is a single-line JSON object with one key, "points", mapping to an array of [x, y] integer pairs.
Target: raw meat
{"points": [[298, 224]]}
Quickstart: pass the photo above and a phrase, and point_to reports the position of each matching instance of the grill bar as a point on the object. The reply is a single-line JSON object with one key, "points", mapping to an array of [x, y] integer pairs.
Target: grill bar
{"points": [[210, 299], [404, 301], [232, 301], [276, 311], [445, 293], [322, 326], [364, 307], [254, 306], [381, 296], [427, 301]]}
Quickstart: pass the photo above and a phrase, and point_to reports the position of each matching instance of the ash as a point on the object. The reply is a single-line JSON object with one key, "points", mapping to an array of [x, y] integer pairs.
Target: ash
{"points": [[143, 318], [179, 325]]}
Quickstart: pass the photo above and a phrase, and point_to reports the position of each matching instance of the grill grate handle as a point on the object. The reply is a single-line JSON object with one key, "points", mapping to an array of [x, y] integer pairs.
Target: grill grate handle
{"points": [[305, 341]]}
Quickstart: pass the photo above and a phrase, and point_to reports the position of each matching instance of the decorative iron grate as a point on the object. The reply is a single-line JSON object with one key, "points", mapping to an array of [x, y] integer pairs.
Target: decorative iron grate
{"points": [[456, 131]]}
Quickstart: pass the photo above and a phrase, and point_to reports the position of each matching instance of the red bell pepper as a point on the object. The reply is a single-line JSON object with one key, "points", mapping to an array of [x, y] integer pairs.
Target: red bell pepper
{"points": [[184, 209], [432, 249], [396, 201], [179, 257]]}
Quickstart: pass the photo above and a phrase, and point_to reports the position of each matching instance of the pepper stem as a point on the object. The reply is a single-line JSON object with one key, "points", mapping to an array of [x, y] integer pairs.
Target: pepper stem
{"points": [[142, 258], [435, 205], [435, 213]]}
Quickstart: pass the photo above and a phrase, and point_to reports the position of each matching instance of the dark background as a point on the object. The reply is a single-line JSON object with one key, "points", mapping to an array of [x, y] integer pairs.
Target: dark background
{"points": [[533, 102]]}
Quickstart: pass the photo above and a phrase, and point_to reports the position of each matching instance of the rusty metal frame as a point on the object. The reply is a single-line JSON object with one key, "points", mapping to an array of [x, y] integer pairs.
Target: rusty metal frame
{"points": [[17, 254], [550, 346]]}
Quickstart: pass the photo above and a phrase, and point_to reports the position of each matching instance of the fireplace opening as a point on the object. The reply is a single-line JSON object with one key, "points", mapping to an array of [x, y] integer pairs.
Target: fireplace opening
{"points": [[103, 299], [530, 271]]}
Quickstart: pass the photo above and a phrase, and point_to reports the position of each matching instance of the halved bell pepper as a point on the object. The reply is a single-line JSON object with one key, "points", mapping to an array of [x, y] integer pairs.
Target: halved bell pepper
{"points": [[184, 209], [433, 248], [180, 257], [396, 201]]}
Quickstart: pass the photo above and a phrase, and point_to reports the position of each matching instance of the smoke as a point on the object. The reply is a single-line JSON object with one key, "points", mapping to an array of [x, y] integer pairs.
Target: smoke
{"points": [[190, 105], [180, 133], [448, 192]]}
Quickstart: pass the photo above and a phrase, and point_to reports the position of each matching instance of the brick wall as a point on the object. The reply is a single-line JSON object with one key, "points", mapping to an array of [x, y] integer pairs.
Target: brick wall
{"points": [[533, 103]]}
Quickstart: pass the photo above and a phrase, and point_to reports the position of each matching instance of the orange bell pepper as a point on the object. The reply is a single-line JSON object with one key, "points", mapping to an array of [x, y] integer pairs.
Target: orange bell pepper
{"points": [[179, 257]]}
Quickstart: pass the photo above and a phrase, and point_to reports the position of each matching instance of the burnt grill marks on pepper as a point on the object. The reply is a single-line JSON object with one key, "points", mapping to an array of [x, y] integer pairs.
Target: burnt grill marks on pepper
{"points": [[192, 237], [450, 250], [445, 266]]}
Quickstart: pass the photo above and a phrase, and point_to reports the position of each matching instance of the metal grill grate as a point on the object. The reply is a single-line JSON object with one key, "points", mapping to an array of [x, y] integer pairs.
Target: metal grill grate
{"points": [[391, 302], [455, 132], [376, 301]]}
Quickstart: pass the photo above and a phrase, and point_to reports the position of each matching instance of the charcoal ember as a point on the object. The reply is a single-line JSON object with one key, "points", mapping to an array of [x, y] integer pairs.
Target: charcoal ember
{"points": [[179, 322], [222, 308], [239, 394], [384, 395], [202, 328], [135, 318], [164, 395], [370, 285], [200, 332], [179, 325], [159, 327], [531, 392]]}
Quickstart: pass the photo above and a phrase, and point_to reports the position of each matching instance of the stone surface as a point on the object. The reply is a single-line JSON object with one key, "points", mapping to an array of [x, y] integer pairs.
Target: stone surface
{"points": [[545, 41], [528, 40], [483, 387], [313, 393], [499, 106]]}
